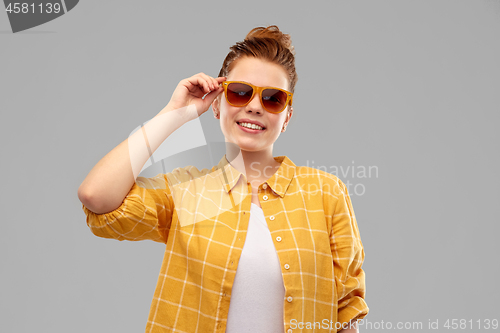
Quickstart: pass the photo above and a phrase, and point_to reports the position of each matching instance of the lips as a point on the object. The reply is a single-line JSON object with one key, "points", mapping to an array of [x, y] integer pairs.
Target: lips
{"points": [[246, 120], [239, 124], [250, 130]]}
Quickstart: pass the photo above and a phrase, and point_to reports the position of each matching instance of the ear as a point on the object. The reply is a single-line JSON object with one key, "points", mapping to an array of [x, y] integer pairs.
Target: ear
{"points": [[289, 115], [216, 106]]}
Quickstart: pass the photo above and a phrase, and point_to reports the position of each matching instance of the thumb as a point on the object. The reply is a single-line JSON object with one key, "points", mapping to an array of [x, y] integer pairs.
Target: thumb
{"points": [[210, 97]]}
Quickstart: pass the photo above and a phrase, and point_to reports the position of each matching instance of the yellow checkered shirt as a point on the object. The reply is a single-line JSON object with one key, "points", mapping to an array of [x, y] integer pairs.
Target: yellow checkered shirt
{"points": [[202, 217]]}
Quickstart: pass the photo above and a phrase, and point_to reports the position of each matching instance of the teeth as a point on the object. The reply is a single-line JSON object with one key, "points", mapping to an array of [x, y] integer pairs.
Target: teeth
{"points": [[252, 126]]}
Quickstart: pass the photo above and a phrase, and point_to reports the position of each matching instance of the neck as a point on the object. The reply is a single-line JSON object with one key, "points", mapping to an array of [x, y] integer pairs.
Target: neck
{"points": [[257, 166]]}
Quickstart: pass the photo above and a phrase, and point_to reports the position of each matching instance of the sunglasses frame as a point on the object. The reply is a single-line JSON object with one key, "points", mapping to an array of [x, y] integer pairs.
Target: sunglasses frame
{"points": [[258, 90]]}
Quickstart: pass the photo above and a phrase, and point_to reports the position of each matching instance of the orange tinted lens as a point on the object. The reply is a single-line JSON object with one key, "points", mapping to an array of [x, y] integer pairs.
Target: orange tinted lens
{"points": [[274, 100], [239, 94]]}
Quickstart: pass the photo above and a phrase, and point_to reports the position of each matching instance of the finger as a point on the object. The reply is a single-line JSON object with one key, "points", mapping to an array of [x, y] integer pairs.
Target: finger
{"points": [[191, 83], [219, 80], [215, 82], [211, 96], [200, 82], [210, 80]]}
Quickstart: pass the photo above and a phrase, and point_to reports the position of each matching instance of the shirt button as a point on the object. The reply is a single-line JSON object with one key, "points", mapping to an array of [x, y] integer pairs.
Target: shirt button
{"points": [[287, 266], [289, 299], [264, 186], [272, 218], [278, 239], [264, 197], [290, 330]]}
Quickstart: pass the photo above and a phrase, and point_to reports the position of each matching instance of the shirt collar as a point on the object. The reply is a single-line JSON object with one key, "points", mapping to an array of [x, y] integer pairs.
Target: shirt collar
{"points": [[279, 182]]}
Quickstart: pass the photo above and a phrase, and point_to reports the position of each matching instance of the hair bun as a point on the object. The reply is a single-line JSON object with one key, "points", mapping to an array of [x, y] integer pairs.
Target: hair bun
{"points": [[272, 32]]}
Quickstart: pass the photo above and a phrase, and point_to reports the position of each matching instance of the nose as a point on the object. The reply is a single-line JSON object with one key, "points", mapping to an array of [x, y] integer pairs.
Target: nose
{"points": [[255, 104]]}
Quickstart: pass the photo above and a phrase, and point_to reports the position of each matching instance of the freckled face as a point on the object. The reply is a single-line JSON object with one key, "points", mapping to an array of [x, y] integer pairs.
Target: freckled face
{"points": [[259, 73]]}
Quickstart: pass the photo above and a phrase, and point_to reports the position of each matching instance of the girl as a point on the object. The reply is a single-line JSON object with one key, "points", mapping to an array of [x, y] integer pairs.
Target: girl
{"points": [[256, 244]]}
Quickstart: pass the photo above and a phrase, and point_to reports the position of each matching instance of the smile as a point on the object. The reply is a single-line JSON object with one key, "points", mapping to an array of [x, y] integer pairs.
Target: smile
{"points": [[250, 128]]}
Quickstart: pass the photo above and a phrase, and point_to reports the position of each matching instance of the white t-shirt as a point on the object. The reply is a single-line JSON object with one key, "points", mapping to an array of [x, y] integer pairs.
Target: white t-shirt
{"points": [[258, 291]]}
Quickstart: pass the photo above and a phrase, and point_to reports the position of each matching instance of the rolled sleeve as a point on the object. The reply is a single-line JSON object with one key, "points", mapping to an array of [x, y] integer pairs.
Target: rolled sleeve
{"points": [[145, 213], [348, 256]]}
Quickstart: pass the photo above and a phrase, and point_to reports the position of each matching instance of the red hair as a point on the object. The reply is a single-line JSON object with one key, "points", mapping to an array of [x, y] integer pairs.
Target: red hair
{"points": [[268, 44]]}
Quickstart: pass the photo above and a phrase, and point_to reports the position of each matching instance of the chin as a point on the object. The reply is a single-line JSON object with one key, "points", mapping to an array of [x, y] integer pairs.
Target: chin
{"points": [[249, 146]]}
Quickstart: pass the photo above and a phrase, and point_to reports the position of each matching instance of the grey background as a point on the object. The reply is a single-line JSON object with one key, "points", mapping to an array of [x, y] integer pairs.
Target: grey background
{"points": [[411, 87]]}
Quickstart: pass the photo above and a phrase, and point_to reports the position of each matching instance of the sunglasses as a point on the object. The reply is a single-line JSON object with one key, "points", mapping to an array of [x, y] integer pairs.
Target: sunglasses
{"points": [[239, 93]]}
